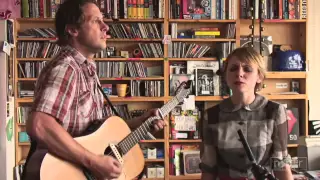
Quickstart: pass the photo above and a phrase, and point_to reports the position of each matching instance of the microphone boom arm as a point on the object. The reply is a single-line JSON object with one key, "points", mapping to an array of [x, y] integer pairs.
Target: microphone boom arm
{"points": [[259, 172]]}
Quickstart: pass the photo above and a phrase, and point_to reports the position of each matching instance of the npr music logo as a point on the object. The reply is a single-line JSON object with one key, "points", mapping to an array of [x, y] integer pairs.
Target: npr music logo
{"points": [[296, 163]]}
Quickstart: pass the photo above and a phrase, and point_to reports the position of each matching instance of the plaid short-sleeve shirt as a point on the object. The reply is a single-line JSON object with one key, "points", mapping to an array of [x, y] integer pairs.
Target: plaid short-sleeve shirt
{"points": [[67, 90], [264, 125]]}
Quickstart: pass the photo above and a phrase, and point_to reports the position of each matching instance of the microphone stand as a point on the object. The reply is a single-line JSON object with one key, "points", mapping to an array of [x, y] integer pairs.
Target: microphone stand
{"points": [[259, 172]]}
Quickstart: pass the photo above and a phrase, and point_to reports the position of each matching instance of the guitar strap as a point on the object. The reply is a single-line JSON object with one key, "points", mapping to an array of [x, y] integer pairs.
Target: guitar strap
{"points": [[109, 102]]}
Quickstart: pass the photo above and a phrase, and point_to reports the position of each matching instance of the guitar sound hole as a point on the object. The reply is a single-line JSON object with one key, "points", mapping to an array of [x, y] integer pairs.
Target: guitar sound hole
{"points": [[109, 152]]}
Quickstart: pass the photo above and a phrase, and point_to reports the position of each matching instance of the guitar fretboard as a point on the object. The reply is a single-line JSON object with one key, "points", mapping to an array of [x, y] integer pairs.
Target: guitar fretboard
{"points": [[140, 133]]}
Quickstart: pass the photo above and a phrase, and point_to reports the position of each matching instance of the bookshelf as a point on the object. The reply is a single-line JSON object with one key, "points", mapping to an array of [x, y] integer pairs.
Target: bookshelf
{"points": [[283, 31]]}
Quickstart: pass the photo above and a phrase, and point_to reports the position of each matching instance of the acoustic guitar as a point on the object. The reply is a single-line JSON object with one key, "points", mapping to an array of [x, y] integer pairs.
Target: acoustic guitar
{"points": [[112, 138]]}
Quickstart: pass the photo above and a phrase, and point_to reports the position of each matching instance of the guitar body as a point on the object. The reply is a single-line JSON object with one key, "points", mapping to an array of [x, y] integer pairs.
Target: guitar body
{"points": [[113, 130]]}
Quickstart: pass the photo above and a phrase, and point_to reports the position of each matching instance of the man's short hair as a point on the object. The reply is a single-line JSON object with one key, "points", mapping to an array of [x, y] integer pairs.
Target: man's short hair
{"points": [[69, 13]]}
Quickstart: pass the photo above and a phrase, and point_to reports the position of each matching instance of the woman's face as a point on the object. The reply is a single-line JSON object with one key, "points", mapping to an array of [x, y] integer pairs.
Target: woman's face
{"points": [[242, 77]]}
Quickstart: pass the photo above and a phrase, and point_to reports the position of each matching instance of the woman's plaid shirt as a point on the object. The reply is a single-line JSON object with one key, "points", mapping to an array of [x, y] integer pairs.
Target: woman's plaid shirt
{"points": [[264, 125]]}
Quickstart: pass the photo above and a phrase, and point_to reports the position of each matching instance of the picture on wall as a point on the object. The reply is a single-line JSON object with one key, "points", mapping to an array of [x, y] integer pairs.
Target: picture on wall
{"points": [[204, 81]]}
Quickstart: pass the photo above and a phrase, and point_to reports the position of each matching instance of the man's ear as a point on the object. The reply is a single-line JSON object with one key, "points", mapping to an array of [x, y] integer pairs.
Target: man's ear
{"points": [[72, 30]]}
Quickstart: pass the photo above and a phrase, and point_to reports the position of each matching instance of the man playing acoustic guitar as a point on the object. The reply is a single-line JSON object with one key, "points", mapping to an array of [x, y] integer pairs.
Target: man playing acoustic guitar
{"points": [[67, 98]]}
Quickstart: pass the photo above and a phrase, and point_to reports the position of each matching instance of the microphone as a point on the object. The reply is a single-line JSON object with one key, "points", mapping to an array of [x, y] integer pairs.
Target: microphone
{"points": [[246, 146], [259, 172]]}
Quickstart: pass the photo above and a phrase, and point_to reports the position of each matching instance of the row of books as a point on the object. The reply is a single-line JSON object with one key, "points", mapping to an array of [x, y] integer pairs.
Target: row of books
{"points": [[149, 50], [39, 8], [124, 111], [187, 50], [199, 9], [184, 159], [37, 33], [275, 9], [23, 113], [112, 9], [202, 32], [132, 9], [34, 49], [136, 30], [146, 88], [121, 69], [30, 69]]}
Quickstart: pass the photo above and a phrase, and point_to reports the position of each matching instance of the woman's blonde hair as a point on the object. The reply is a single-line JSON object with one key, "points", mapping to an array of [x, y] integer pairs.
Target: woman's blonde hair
{"points": [[249, 56]]}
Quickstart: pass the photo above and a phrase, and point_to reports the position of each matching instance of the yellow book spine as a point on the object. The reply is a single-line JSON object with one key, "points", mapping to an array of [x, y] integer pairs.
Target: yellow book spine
{"points": [[207, 33]]}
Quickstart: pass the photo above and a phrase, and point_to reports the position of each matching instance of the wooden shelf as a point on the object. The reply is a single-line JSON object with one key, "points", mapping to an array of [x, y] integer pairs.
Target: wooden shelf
{"points": [[132, 40], [30, 20], [33, 59], [22, 161], [278, 97], [293, 145], [142, 141], [113, 99], [97, 59], [128, 59], [286, 75], [152, 141], [24, 100], [276, 21], [134, 20], [51, 20], [185, 177], [26, 79], [197, 98], [192, 59], [136, 99], [203, 40], [110, 40], [153, 160], [201, 21], [209, 98], [24, 144], [185, 141], [108, 79], [37, 39], [156, 78]]}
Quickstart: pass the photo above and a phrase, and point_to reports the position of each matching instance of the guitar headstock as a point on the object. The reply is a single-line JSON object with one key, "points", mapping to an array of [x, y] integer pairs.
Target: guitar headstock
{"points": [[183, 90]]}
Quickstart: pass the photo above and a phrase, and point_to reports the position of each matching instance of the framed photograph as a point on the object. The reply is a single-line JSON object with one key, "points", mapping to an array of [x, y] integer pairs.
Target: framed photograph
{"points": [[204, 81], [295, 86], [177, 79]]}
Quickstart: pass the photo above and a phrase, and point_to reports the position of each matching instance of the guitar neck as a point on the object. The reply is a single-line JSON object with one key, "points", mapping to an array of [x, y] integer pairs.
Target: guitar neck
{"points": [[140, 133]]}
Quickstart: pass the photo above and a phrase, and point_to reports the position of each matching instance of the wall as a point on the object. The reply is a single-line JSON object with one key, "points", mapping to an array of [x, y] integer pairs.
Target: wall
{"points": [[7, 140], [313, 49]]}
